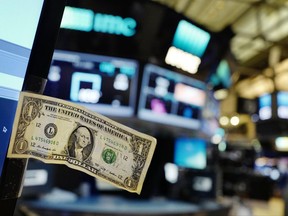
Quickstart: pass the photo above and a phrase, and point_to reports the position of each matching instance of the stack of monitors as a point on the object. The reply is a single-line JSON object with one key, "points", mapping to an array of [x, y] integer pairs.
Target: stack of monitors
{"points": [[171, 98], [100, 83], [266, 107], [282, 104]]}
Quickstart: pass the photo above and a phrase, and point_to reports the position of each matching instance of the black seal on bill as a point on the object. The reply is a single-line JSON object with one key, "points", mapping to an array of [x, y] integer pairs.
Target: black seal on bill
{"points": [[50, 130]]}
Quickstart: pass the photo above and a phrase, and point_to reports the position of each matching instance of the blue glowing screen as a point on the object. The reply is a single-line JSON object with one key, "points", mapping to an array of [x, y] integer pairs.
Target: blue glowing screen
{"points": [[222, 75], [282, 99], [282, 104], [190, 153], [265, 101], [86, 20], [191, 39]]}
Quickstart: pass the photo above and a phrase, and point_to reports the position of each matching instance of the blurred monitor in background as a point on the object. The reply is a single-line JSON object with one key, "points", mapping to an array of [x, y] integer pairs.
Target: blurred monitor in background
{"points": [[170, 98], [190, 153], [104, 84], [192, 185], [39, 179]]}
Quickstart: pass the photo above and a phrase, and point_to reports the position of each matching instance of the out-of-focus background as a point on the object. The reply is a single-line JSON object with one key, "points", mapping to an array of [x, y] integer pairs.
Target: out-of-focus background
{"points": [[207, 78]]}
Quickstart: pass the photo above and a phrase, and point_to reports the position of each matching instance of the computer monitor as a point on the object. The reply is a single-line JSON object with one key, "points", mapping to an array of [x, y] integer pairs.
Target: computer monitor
{"points": [[190, 153], [204, 184], [38, 179], [104, 84], [282, 104], [198, 186], [221, 78], [27, 37], [265, 106], [171, 98], [15, 51]]}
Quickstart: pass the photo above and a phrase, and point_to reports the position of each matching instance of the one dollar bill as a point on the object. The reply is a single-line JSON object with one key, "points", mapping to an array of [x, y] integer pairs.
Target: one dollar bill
{"points": [[60, 132]]}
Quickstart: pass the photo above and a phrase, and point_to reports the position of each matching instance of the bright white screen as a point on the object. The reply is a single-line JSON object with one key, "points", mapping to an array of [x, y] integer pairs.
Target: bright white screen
{"points": [[19, 20], [18, 24]]}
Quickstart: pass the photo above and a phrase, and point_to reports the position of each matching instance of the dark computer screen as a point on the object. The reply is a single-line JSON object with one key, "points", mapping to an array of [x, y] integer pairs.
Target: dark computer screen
{"points": [[38, 178], [15, 50], [197, 185], [103, 84], [190, 153], [171, 98]]}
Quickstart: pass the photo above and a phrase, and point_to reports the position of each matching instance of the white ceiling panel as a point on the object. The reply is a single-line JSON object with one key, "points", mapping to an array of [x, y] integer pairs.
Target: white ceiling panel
{"points": [[215, 14], [281, 81], [252, 88], [246, 25]]}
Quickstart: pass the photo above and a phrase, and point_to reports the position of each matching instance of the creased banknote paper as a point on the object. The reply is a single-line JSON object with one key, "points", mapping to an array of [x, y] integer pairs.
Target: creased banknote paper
{"points": [[60, 132]]}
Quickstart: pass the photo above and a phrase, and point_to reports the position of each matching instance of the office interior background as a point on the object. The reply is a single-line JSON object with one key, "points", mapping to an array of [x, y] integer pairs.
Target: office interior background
{"points": [[206, 78]]}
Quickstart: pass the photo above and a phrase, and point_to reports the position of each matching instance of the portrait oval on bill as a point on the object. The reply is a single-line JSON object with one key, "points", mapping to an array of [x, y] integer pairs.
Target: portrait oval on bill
{"points": [[80, 143]]}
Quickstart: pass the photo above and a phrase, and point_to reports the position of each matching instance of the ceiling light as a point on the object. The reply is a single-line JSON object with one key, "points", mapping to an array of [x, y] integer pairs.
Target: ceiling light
{"points": [[222, 146], [216, 139], [234, 120], [282, 66], [224, 120], [221, 94], [252, 88]]}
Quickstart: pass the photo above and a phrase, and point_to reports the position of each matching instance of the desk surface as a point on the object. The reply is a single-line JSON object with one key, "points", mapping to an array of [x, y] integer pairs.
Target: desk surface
{"points": [[110, 205]]}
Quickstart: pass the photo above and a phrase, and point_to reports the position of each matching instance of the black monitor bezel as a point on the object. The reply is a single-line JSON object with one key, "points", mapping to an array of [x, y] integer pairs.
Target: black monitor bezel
{"points": [[44, 43]]}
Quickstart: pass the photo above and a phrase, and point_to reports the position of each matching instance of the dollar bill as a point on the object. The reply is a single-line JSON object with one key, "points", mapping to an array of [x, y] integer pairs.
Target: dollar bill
{"points": [[59, 132]]}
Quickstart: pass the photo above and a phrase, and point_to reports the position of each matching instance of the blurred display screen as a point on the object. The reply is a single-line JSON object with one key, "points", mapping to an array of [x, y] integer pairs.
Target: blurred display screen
{"points": [[210, 113], [188, 46], [38, 179], [282, 104], [265, 107], [102, 27], [222, 76], [103, 84], [281, 144], [247, 106], [103, 186], [190, 153], [191, 38], [171, 98], [202, 183], [35, 177], [18, 29], [86, 20], [267, 167]]}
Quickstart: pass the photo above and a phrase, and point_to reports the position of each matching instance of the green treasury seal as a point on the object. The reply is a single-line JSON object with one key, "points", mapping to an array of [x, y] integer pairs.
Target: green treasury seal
{"points": [[109, 156]]}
